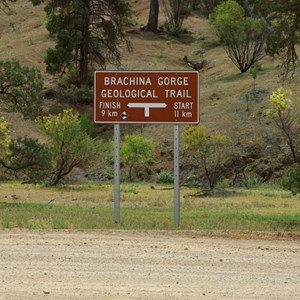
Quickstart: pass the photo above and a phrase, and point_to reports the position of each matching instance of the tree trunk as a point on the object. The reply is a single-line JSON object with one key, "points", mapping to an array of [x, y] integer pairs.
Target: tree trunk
{"points": [[153, 16], [84, 47], [195, 4], [247, 8], [130, 173]]}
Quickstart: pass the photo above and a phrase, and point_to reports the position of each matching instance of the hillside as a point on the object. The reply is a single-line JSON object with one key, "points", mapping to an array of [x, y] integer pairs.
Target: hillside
{"points": [[222, 87]]}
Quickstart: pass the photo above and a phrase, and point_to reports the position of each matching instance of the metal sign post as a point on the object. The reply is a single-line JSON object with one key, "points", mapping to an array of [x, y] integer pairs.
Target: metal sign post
{"points": [[176, 177], [117, 172]]}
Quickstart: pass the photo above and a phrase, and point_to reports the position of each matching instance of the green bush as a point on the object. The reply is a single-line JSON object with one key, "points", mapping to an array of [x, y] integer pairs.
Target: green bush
{"points": [[27, 159], [164, 176], [86, 124], [20, 88], [291, 181], [136, 151], [80, 94], [70, 144], [223, 184]]}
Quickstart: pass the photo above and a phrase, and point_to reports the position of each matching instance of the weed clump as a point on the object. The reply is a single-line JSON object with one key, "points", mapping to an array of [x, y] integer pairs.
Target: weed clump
{"points": [[164, 177]]}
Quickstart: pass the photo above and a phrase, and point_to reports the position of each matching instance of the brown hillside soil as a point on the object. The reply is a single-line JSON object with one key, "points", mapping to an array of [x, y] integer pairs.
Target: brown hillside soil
{"points": [[128, 265], [222, 86]]}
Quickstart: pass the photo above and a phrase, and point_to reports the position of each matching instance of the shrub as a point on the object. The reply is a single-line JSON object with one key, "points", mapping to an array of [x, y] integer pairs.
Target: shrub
{"points": [[164, 176], [136, 151], [285, 114], [70, 144], [80, 94], [20, 88], [28, 159], [206, 152], [291, 181], [4, 137]]}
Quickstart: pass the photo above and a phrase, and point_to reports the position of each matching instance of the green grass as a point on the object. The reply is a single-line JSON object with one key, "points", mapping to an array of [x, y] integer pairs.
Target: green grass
{"points": [[90, 206], [42, 216], [211, 216], [228, 218]]}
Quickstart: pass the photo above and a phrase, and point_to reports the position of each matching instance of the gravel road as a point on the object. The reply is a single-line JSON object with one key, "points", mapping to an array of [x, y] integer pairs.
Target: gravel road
{"points": [[145, 265]]}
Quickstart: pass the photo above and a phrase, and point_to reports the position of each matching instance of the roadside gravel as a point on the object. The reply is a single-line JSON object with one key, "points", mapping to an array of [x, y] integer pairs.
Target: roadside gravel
{"points": [[145, 265]]}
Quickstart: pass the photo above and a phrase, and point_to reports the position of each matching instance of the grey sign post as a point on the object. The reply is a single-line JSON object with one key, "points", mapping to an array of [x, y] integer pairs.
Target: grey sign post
{"points": [[117, 172], [176, 177]]}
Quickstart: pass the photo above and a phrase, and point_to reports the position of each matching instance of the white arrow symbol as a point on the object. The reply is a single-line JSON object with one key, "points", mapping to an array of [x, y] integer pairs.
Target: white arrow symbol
{"points": [[147, 106]]}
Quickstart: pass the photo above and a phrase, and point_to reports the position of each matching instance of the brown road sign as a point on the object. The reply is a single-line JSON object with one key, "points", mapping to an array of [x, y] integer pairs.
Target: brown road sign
{"points": [[170, 97]]}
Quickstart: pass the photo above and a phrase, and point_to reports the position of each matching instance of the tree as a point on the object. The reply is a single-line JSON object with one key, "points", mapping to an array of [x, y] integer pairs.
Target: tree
{"points": [[20, 88], [27, 158], [176, 11], [242, 36], [4, 138], [286, 118], [135, 152], [153, 16], [283, 35], [207, 6], [70, 144], [206, 152], [88, 33]]}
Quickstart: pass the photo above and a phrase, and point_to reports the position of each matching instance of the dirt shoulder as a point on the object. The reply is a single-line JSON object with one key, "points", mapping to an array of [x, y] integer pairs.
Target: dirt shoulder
{"points": [[146, 265]]}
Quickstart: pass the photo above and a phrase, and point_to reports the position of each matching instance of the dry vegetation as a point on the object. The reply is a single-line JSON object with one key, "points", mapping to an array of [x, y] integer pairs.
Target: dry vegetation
{"points": [[144, 195], [24, 37], [90, 206]]}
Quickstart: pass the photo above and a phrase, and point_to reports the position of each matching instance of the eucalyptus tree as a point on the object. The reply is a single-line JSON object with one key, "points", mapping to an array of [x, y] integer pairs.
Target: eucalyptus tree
{"points": [[20, 88], [283, 30], [88, 33], [243, 36], [152, 24]]}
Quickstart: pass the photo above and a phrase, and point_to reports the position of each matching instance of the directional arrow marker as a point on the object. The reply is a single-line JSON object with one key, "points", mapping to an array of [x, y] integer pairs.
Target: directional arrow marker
{"points": [[147, 106], [124, 115]]}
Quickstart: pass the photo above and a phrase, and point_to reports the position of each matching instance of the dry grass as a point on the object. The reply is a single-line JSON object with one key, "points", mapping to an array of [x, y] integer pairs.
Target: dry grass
{"points": [[24, 36], [142, 207], [145, 195], [87, 194]]}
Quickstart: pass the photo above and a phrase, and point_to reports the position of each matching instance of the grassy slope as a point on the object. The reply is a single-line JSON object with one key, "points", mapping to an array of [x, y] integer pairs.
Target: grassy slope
{"points": [[142, 207], [23, 36]]}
